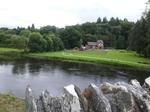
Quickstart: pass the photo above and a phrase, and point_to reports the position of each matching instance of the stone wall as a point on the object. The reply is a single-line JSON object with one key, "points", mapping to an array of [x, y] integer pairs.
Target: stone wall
{"points": [[117, 97]]}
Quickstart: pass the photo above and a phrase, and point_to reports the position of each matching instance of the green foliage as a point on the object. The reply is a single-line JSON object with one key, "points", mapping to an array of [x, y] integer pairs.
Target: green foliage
{"points": [[4, 38], [146, 51], [99, 20], [57, 43], [121, 43], [36, 42], [113, 32], [19, 42], [25, 33], [39, 43], [47, 29], [89, 28], [49, 42], [113, 22], [71, 37], [105, 20], [140, 36]]}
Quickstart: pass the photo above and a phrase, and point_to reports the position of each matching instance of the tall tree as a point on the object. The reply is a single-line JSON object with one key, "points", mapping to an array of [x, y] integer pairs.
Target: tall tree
{"points": [[105, 20], [71, 38], [37, 43], [99, 20]]}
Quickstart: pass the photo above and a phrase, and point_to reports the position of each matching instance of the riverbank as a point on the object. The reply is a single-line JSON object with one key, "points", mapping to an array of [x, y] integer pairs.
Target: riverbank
{"points": [[11, 54], [9, 103], [116, 58]]}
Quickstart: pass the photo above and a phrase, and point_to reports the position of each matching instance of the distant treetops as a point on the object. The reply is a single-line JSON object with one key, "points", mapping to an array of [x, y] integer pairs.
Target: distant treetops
{"points": [[31, 40]]}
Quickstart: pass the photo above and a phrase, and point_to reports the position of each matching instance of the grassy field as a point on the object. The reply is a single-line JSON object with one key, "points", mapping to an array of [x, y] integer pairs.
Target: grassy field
{"points": [[120, 58], [10, 103]]}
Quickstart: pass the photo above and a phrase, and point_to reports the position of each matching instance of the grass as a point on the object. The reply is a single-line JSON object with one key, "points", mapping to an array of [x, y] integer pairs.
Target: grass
{"points": [[10, 103], [121, 58], [10, 54]]}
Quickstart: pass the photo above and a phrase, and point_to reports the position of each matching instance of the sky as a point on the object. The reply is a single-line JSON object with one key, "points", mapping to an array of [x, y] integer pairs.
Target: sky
{"points": [[62, 13]]}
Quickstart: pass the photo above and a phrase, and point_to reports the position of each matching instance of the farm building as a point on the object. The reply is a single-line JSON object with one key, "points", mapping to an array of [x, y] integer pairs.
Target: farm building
{"points": [[95, 45]]}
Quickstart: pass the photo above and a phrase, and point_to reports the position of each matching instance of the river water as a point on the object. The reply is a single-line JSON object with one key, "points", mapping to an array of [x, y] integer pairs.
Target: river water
{"points": [[54, 75]]}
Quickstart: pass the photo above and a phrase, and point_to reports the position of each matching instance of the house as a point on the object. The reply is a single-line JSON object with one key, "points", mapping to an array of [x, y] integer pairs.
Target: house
{"points": [[95, 45]]}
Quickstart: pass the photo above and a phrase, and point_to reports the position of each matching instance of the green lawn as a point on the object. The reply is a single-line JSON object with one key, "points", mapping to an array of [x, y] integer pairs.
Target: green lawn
{"points": [[121, 58], [111, 57]]}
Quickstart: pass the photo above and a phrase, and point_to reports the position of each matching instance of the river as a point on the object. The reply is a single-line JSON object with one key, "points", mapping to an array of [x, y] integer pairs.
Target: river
{"points": [[54, 75]]}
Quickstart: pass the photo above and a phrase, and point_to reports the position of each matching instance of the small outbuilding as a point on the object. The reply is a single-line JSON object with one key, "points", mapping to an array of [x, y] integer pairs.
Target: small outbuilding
{"points": [[95, 45]]}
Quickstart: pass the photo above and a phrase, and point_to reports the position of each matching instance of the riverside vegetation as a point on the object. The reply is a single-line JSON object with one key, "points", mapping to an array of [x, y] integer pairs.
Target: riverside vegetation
{"points": [[121, 58]]}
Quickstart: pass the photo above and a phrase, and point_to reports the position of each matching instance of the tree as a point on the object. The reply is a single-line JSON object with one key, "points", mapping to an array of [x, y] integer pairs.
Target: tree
{"points": [[121, 43], [140, 36], [57, 43], [71, 38], [146, 51], [37, 43], [32, 26], [47, 29], [112, 22], [25, 33], [18, 30], [99, 20], [19, 42], [89, 28], [105, 20], [4, 40], [50, 43]]}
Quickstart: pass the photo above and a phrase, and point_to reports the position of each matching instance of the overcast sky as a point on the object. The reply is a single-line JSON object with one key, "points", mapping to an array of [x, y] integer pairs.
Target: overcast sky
{"points": [[66, 12]]}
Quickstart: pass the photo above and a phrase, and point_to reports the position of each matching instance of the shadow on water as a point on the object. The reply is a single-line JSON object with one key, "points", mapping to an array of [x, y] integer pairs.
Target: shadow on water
{"points": [[54, 75]]}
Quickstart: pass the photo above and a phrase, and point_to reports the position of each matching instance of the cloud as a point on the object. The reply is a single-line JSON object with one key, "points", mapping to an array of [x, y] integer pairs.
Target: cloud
{"points": [[66, 12]]}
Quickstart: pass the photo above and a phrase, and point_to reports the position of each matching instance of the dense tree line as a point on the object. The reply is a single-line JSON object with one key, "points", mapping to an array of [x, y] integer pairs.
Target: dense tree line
{"points": [[31, 39], [140, 36], [113, 32]]}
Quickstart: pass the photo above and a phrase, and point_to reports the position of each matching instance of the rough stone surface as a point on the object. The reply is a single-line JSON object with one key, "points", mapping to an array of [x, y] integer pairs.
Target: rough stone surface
{"points": [[135, 83], [30, 101], [97, 100], [120, 99], [141, 96], [71, 98], [147, 82], [117, 97], [82, 99], [146, 85]]}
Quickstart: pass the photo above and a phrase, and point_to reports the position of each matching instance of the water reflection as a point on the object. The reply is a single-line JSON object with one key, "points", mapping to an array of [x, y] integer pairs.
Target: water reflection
{"points": [[54, 75]]}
